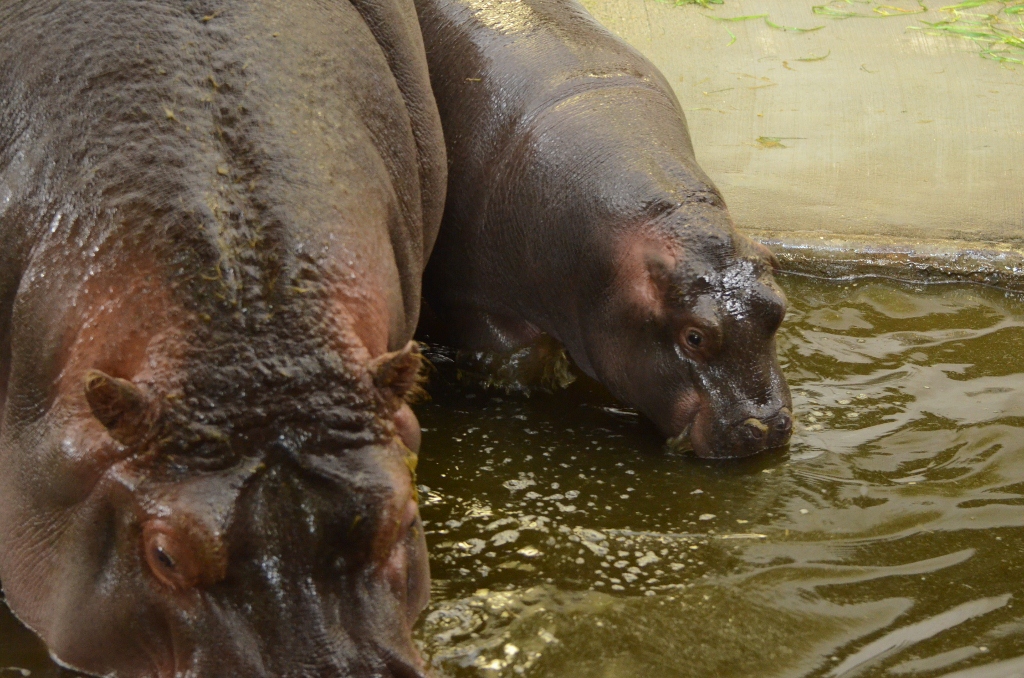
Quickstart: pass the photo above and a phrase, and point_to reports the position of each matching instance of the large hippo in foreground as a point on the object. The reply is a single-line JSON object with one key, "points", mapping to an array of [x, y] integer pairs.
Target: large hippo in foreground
{"points": [[214, 218], [576, 209]]}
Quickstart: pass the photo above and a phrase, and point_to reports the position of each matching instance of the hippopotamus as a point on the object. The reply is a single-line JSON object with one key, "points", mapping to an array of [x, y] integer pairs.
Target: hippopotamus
{"points": [[215, 217], [576, 210]]}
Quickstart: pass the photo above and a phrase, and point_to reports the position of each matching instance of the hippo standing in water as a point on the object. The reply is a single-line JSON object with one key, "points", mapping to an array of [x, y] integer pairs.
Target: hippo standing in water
{"points": [[576, 209], [214, 217]]}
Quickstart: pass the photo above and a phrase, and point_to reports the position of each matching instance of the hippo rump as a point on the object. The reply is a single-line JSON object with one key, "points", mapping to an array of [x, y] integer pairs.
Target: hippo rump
{"points": [[576, 210], [215, 216]]}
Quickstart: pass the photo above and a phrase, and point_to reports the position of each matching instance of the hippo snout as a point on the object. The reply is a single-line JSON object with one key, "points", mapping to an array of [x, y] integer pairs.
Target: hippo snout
{"points": [[770, 432], [756, 434], [740, 436]]}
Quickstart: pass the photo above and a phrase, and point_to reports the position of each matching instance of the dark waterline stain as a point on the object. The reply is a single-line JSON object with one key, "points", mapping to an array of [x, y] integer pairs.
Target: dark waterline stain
{"points": [[886, 540]]}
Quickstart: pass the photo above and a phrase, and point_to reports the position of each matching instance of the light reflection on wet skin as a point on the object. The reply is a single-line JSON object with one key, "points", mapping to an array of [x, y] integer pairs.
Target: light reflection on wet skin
{"points": [[886, 540]]}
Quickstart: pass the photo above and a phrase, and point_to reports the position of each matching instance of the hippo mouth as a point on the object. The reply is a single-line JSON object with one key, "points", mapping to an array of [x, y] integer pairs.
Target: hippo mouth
{"points": [[681, 444], [744, 439]]}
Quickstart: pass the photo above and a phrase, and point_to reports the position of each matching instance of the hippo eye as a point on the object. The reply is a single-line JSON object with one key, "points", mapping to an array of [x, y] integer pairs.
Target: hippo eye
{"points": [[163, 558], [694, 338], [170, 558], [160, 550]]}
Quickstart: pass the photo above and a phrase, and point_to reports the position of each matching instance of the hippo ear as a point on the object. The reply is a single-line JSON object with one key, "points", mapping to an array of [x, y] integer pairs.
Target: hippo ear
{"points": [[660, 264], [397, 374], [767, 255], [656, 282], [120, 406]]}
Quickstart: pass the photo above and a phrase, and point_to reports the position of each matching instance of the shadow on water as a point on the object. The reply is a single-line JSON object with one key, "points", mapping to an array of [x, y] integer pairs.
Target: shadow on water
{"points": [[886, 541]]}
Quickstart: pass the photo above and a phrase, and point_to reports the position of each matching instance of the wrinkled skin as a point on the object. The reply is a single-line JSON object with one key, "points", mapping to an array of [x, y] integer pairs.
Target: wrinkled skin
{"points": [[214, 217], [576, 209]]}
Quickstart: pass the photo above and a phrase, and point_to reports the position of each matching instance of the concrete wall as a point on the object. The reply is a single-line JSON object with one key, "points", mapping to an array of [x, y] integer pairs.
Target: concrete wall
{"points": [[895, 136]]}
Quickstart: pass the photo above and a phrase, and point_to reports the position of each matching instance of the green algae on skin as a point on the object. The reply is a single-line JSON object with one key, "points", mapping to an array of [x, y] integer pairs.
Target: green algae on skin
{"points": [[542, 366]]}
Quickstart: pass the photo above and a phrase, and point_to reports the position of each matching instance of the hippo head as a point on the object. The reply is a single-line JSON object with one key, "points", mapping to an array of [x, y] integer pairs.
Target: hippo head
{"points": [[687, 336], [263, 544]]}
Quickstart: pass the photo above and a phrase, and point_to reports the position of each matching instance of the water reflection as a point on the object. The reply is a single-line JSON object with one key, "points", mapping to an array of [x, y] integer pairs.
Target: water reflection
{"points": [[886, 541]]}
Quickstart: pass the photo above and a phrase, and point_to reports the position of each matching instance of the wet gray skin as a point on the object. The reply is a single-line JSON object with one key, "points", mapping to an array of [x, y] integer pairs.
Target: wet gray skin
{"points": [[214, 219], [565, 541], [577, 211]]}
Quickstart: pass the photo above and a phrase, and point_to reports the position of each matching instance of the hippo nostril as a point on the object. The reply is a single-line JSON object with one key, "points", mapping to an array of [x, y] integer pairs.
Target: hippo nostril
{"points": [[756, 429], [785, 424]]}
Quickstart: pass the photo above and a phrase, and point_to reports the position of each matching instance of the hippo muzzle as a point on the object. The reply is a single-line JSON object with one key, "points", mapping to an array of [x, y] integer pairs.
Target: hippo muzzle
{"points": [[740, 437], [715, 420]]}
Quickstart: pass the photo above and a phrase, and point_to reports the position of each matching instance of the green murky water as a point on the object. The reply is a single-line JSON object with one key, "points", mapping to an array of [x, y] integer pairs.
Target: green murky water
{"points": [[886, 541]]}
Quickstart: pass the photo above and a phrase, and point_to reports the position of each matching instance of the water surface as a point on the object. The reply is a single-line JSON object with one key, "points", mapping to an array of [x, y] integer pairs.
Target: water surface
{"points": [[886, 541]]}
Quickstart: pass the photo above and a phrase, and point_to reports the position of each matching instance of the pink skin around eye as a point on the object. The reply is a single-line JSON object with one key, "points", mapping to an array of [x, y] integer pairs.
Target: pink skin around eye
{"points": [[169, 558]]}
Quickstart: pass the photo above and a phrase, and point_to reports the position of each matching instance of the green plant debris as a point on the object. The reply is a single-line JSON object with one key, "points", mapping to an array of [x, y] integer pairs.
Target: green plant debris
{"points": [[891, 10], [965, 5], [735, 18], [833, 13], [748, 17], [732, 35], [999, 33], [774, 142], [816, 58], [771, 142], [702, 3], [769, 22], [793, 29], [846, 9]]}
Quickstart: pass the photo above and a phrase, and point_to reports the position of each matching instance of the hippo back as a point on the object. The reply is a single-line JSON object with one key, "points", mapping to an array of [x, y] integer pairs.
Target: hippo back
{"points": [[501, 72]]}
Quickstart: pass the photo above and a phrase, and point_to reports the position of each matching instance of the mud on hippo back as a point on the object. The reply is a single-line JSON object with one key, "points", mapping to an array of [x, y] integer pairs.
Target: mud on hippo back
{"points": [[576, 209], [215, 217]]}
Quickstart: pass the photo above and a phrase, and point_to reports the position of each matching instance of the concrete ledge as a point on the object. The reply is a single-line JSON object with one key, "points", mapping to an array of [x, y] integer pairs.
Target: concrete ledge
{"points": [[933, 261]]}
